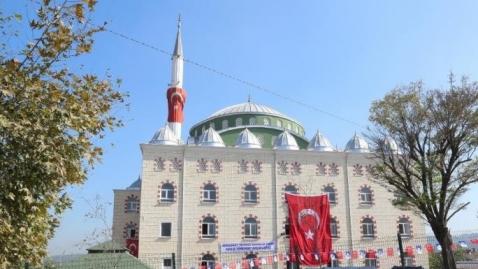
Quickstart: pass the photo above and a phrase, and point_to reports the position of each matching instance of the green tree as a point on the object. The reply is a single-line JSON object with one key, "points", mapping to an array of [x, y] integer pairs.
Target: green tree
{"points": [[425, 143], [50, 121]]}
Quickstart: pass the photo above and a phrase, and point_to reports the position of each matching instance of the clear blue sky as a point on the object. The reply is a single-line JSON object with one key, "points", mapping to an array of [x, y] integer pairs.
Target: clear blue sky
{"points": [[336, 55]]}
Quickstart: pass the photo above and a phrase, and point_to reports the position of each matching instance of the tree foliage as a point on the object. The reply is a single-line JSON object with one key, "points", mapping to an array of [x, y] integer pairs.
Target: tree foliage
{"points": [[50, 119], [425, 143]]}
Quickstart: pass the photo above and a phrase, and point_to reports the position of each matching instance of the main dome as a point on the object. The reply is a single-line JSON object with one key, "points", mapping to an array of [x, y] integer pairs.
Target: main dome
{"points": [[247, 107], [264, 122]]}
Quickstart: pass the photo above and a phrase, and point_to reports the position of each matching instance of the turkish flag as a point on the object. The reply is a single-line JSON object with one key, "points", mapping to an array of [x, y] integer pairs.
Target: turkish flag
{"points": [[309, 219], [132, 246]]}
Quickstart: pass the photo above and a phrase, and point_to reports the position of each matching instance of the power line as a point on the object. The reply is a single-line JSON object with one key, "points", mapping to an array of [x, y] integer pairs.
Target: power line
{"points": [[237, 79]]}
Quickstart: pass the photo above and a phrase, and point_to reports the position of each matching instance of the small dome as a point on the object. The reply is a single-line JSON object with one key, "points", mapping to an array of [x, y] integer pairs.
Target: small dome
{"points": [[320, 143], [357, 144], [164, 136], [210, 138], [248, 140], [135, 185], [285, 141], [391, 145]]}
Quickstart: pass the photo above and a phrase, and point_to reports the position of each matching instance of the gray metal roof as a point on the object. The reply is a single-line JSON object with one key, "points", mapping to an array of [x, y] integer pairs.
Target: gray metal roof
{"points": [[285, 141], [210, 138], [246, 139], [320, 143], [357, 144], [164, 136]]}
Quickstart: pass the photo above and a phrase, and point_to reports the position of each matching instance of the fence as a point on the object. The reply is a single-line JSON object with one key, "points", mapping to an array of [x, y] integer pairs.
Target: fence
{"points": [[364, 253]]}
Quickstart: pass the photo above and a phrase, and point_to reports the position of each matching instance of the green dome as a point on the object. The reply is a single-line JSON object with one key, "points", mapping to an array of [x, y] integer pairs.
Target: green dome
{"points": [[264, 122]]}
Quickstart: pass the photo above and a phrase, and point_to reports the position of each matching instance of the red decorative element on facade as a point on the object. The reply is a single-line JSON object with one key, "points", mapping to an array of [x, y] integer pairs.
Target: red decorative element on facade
{"points": [[201, 165], [295, 168], [216, 166], [282, 166], [176, 165], [256, 167], [159, 164], [358, 170], [176, 100]]}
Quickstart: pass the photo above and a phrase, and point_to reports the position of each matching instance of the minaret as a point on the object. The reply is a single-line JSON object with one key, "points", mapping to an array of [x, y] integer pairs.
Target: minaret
{"points": [[176, 95]]}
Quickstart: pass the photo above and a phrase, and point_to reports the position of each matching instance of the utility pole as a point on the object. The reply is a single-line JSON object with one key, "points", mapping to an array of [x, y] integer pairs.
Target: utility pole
{"points": [[400, 246]]}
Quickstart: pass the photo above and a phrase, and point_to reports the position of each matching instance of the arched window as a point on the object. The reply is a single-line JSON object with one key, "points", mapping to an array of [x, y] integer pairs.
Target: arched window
{"points": [[167, 192], [365, 195], [404, 227], [252, 121], [266, 121], [334, 229], [130, 231], [330, 191], [208, 261], [238, 121], [250, 194], [289, 127], [279, 123], [250, 228], [209, 193], [371, 259], [368, 227], [225, 124], [291, 189], [208, 228], [212, 125]]}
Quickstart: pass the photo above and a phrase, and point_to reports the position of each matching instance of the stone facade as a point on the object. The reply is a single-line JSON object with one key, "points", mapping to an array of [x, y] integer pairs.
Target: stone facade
{"points": [[227, 171]]}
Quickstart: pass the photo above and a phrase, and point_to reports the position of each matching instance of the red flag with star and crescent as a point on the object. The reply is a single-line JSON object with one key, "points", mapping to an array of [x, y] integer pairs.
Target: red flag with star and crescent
{"points": [[309, 220]]}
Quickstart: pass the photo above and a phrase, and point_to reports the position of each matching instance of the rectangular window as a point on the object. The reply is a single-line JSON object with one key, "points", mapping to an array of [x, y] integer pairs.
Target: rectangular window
{"points": [[331, 196], [132, 206], [132, 233], [167, 195], [250, 230], [209, 195], [408, 261], [367, 229], [404, 229], [167, 263], [166, 229], [250, 196], [208, 230], [333, 229]]}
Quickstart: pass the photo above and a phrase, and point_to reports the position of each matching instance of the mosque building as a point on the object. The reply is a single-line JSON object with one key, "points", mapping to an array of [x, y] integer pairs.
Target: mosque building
{"points": [[218, 196]]}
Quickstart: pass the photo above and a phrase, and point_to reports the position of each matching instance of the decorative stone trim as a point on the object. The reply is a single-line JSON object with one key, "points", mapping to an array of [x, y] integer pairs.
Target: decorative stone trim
{"points": [[333, 170], [358, 170], [321, 169], [201, 165], [402, 219], [369, 170], [331, 185], [213, 254], [286, 185], [258, 223], [372, 193], [129, 225], [295, 168], [176, 165], [131, 198], [243, 196], [285, 223], [282, 168], [216, 166], [201, 194], [337, 224], [159, 164], [216, 235], [243, 166], [256, 167], [175, 192], [374, 222]]}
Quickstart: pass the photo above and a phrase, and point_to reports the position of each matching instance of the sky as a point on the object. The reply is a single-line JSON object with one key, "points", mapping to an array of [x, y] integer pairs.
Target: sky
{"points": [[337, 56]]}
